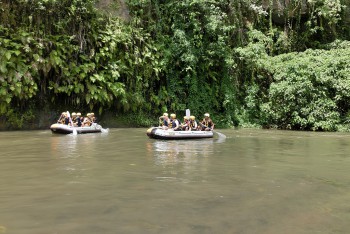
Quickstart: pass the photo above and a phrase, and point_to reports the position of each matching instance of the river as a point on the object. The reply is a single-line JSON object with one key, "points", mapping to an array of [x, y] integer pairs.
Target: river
{"points": [[252, 181]]}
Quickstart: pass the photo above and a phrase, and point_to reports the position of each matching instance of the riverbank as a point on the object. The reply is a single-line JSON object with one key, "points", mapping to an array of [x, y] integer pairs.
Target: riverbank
{"points": [[43, 119]]}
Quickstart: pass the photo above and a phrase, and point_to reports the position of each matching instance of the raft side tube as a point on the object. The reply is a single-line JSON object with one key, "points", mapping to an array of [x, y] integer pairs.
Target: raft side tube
{"points": [[158, 133], [65, 129]]}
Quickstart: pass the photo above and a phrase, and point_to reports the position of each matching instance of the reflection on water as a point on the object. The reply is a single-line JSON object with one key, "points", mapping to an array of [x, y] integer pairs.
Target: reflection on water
{"points": [[182, 160], [68, 145], [196, 146], [167, 152], [176, 149], [64, 146], [75, 153], [253, 181]]}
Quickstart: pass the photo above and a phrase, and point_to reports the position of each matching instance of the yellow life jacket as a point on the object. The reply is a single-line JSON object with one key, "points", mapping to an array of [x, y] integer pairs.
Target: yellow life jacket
{"points": [[193, 124], [207, 122]]}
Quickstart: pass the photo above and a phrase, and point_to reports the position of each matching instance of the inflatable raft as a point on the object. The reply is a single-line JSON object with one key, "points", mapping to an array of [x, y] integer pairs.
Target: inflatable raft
{"points": [[65, 129], [159, 133]]}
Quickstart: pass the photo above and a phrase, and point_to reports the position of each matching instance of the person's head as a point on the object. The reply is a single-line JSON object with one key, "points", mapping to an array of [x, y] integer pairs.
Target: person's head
{"points": [[173, 116], [78, 114], [206, 115], [64, 113], [192, 117], [165, 116], [186, 118], [88, 114], [92, 114], [74, 114]]}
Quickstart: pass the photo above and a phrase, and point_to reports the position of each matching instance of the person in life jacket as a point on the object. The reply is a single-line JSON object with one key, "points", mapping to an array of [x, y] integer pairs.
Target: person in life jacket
{"points": [[78, 120], [66, 119], [174, 123], [185, 125], [74, 119], [82, 120], [207, 124], [62, 118], [92, 117], [87, 121], [164, 121], [193, 124]]}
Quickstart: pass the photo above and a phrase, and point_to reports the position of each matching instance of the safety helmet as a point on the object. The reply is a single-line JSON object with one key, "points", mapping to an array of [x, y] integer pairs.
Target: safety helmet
{"points": [[185, 117], [192, 117], [92, 113], [173, 116], [206, 115], [78, 114], [88, 114], [165, 114], [74, 114]]}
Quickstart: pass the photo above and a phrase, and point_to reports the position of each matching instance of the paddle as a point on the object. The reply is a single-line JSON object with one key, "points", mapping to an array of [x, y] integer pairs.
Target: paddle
{"points": [[188, 113], [71, 122]]}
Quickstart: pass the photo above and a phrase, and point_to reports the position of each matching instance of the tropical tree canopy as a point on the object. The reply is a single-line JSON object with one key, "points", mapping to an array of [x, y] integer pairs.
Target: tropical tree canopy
{"points": [[270, 63]]}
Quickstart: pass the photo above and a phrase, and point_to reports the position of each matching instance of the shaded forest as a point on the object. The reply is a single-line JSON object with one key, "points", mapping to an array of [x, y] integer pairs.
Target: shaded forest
{"points": [[263, 63]]}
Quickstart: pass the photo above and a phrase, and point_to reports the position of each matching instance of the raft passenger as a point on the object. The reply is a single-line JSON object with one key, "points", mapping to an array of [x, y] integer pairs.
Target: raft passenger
{"points": [[87, 121], [66, 119], [82, 120], [78, 119], [74, 117], [186, 123], [207, 123], [164, 121], [93, 118], [193, 124], [174, 123], [62, 117]]}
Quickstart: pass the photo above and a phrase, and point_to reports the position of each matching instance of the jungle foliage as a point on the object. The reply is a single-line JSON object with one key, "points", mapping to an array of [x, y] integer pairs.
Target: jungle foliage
{"points": [[270, 63]]}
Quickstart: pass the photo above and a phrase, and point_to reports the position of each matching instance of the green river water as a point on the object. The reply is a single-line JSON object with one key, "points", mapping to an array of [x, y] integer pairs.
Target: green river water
{"points": [[252, 181]]}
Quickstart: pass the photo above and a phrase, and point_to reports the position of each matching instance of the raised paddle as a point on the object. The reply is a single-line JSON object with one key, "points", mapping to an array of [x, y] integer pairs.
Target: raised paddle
{"points": [[188, 113]]}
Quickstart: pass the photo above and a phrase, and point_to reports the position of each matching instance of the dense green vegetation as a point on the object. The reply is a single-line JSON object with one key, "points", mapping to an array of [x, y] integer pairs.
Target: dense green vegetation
{"points": [[270, 63]]}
